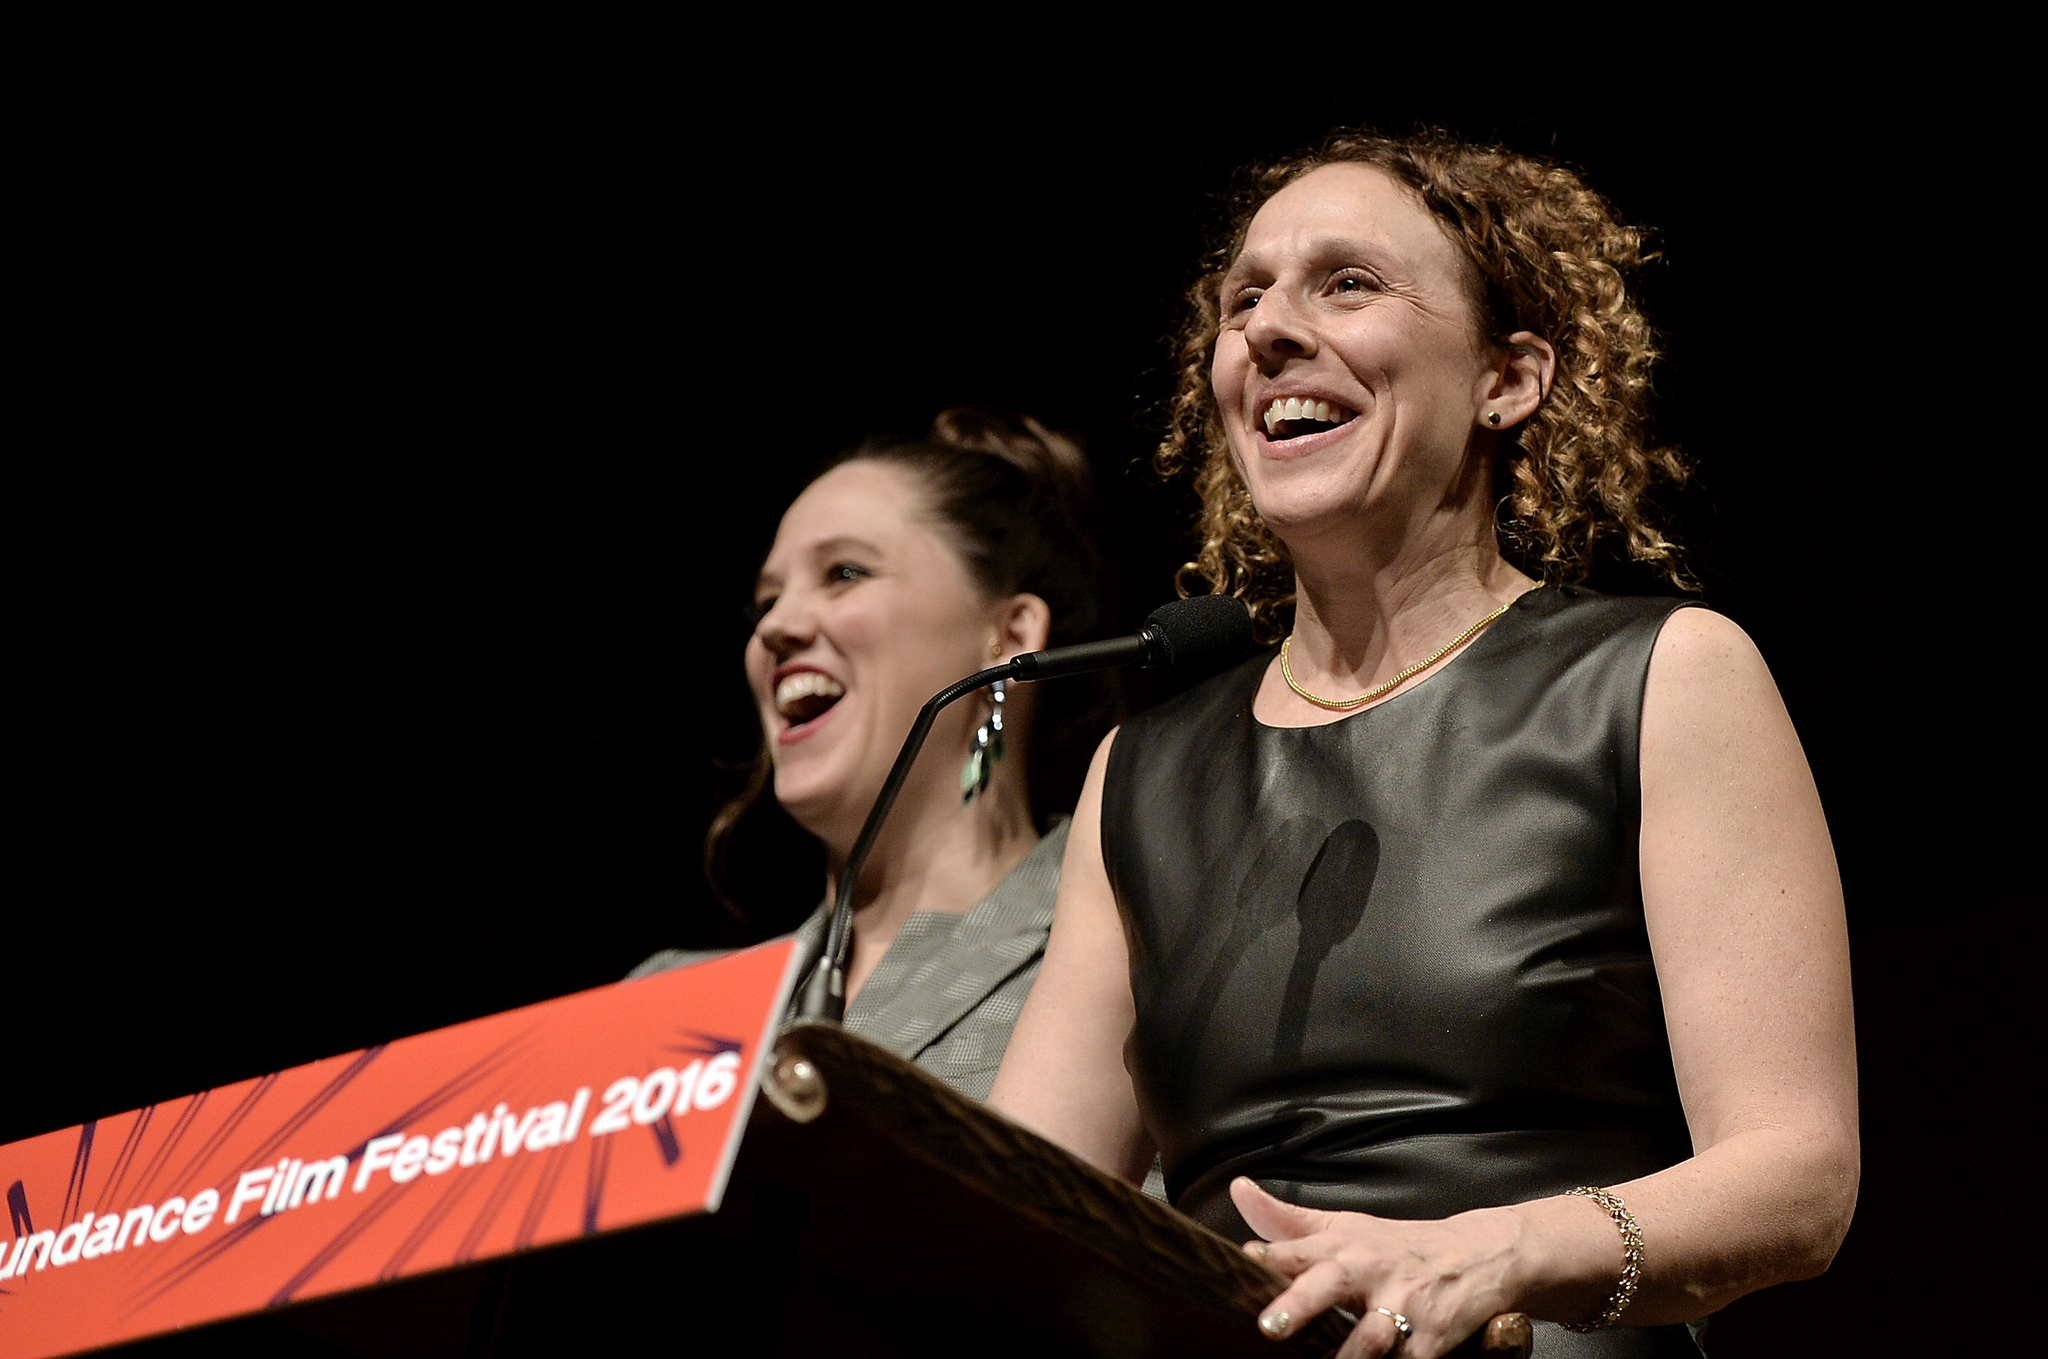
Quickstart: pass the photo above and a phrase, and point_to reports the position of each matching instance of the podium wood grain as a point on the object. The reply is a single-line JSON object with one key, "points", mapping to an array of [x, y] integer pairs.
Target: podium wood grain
{"points": [[1008, 1230]]}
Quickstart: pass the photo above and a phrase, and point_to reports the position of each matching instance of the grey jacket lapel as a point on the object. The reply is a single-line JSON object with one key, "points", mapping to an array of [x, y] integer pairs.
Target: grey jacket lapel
{"points": [[1003, 933], [810, 939]]}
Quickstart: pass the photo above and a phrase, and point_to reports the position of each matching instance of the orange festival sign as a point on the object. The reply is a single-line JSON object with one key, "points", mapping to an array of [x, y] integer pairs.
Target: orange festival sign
{"points": [[600, 1110]]}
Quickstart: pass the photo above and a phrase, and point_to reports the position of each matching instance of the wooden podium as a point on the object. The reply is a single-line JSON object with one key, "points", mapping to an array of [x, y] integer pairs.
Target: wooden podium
{"points": [[872, 1212]]}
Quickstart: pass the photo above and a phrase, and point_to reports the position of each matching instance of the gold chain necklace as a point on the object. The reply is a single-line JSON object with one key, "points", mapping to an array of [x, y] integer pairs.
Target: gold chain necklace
{"points": [[1340, 704]]}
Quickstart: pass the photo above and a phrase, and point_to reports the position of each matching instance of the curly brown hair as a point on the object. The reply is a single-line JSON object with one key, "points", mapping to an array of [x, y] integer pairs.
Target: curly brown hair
{"points": [[1552, 258]]}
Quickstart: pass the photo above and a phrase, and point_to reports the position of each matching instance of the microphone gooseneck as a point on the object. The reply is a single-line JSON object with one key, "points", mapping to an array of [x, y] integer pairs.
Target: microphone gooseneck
{"points": [[1188, 633]]}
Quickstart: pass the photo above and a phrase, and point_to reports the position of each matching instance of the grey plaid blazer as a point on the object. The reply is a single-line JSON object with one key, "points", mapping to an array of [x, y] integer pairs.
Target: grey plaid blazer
{"points": [[950, 988]]}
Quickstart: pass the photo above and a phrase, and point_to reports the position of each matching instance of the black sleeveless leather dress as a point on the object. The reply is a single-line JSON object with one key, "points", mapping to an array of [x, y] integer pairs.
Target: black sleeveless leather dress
{"points": [[1397, 964]]}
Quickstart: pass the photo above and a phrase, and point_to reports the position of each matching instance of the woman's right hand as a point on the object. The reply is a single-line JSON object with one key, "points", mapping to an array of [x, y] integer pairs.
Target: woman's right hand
{"points": [[1445, 1279]]}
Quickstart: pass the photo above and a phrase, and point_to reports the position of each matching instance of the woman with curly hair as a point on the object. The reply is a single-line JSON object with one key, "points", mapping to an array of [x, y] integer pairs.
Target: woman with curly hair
{"points": [[1480, 948]]}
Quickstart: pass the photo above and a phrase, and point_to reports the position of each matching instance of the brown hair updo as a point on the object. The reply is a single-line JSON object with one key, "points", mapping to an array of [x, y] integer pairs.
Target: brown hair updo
{"points": [[1551, 258], [1014, 499]]}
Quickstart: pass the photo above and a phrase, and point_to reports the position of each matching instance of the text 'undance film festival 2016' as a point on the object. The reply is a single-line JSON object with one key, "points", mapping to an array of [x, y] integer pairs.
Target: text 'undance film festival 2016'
{"points": [[601, 1110]]}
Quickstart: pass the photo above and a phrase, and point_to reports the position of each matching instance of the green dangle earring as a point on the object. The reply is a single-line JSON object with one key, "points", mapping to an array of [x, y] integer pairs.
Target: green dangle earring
{"points": [[988, 748]]}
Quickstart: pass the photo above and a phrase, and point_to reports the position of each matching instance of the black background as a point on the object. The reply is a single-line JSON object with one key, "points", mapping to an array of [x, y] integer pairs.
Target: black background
{"points": [[404, 445]]}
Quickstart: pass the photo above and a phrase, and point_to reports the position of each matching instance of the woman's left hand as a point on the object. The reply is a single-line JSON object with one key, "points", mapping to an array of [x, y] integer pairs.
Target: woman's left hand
{"points": [[1445, 1278]]}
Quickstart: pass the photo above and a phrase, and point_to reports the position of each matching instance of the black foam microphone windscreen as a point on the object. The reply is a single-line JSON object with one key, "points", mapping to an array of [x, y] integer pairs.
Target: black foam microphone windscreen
{"points": [[1204, 631]]}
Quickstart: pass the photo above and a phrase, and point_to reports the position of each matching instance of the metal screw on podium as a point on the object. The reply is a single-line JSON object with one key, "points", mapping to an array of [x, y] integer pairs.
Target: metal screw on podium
{"points": [[795, 1087]]}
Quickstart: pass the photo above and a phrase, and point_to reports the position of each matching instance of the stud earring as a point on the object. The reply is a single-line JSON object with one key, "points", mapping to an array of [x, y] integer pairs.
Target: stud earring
{"points": [[1493, 417], [988, 748]]}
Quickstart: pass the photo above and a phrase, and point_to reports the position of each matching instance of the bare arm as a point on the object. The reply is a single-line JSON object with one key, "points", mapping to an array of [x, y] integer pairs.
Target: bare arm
{"points": [[1744, 907], [1064, 1075], [1744, 910]]}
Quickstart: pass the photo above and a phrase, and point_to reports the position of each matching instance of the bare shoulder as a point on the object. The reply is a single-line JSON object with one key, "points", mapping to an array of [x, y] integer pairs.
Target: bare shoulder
{"points": [[1084, 843], [1733, 835], [1102, 747], [1698, 645], [1709, 683]]}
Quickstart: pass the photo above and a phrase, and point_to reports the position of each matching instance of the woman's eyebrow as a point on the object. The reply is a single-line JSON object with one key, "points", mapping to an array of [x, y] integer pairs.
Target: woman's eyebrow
{"points": [[1319, 252], [822, 550], [1243, 267], [845, 543], [1319, 255], [1339, 247]]}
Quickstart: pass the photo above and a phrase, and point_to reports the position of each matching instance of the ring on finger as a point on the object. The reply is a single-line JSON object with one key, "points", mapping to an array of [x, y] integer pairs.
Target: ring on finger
{"points": [[1401, 1326]]}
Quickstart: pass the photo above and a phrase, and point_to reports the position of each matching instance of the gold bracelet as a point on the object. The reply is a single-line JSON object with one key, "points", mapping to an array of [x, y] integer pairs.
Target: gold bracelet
{"points": [[1631, 1258]]}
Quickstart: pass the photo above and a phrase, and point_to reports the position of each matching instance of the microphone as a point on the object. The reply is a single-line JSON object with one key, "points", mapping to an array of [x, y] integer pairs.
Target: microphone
{"points": [[1186, 634]]}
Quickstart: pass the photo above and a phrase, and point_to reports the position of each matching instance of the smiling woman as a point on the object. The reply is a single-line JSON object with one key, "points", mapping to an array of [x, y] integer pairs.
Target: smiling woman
{"points": [[1479, 948], [899, 569], [1537, 257]]}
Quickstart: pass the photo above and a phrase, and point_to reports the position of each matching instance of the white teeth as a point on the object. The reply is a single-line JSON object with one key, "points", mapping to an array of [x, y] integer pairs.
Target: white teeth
{"points": [[1294, 408], [806, 684]]}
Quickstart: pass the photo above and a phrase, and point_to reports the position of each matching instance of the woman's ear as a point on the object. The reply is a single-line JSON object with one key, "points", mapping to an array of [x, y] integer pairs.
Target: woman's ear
{"points": [[1511, 392], [1023, 623]]}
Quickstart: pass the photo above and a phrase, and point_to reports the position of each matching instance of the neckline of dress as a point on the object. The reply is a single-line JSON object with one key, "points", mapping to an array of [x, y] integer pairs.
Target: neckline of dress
{"points": [[1259, 672]]}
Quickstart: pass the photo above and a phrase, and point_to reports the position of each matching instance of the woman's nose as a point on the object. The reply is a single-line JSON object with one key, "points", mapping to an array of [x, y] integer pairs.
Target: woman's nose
{"points": [[1276, 331], [786, 628]]}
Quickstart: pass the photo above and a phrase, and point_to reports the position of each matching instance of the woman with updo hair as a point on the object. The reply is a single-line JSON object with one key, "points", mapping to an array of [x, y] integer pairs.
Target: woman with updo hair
{"points": [[903, 566], [1479, 947]]}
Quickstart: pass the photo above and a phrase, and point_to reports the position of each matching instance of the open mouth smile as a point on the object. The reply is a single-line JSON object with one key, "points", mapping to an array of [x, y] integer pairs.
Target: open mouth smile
{"points": [[807, 695], [804, 696], [1291, 417]]}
